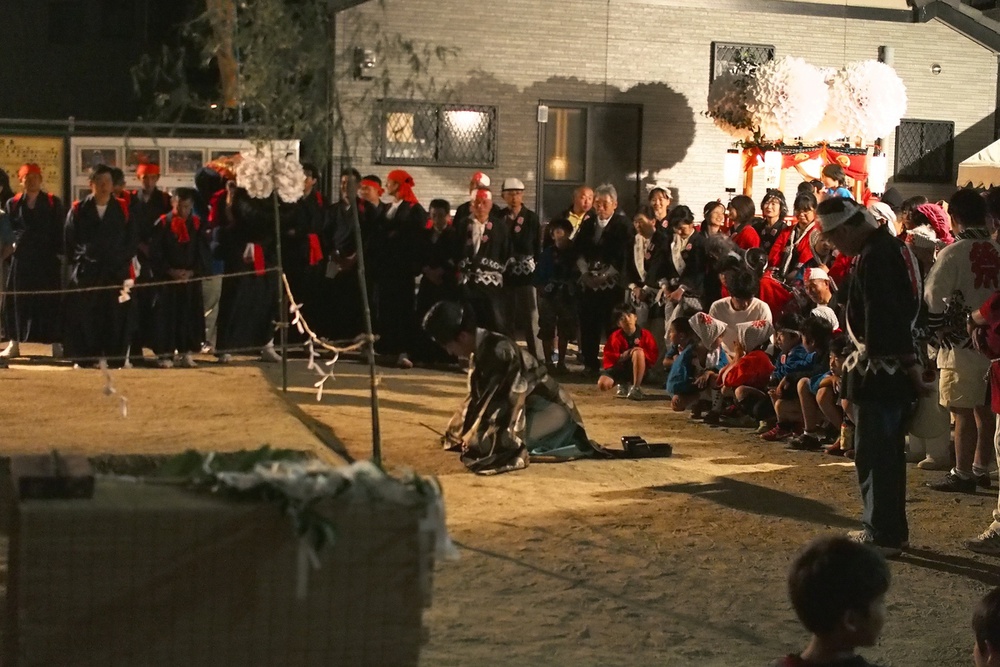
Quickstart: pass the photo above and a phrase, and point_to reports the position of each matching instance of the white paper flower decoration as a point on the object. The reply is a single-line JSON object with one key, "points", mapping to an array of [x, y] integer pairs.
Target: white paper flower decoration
{"points": [[828, 129], [868, 98], [727, 104], [264, 169], [788, 98]]}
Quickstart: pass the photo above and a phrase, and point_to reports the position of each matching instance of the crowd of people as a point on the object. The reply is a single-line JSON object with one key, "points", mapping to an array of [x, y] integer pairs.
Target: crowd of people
{"points": [[863, 329]]}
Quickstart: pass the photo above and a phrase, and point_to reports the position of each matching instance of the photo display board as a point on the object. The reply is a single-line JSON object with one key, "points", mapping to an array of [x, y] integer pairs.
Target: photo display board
{"points": [[47, 152], [179, 159]]}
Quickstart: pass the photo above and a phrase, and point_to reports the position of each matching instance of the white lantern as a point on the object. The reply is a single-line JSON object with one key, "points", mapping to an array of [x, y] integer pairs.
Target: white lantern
{"points": [[878, 173], [772, 169], [732, 170]]}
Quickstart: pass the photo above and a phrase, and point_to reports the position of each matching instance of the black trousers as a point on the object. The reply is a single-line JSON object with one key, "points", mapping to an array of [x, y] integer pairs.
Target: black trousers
{"points": [[596, 307], [397, 308], [178, 319], [487, 303], [97, 325]]}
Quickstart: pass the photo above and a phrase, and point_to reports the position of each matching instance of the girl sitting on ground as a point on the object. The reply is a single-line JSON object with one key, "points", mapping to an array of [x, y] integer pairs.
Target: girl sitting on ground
{"points": [[751, 368], [710, 357]]}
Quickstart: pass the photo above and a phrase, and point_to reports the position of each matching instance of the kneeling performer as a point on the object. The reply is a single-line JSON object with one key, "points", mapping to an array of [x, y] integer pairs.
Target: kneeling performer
{"points": [[514, 409]]}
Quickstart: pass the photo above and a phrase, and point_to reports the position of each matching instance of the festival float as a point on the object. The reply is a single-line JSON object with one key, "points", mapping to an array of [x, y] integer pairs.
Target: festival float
{"points": [[789, 114]]}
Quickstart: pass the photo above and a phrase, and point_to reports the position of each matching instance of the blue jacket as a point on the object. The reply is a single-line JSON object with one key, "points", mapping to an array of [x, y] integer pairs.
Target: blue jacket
{"points": [[796, 360], [681, 378]]}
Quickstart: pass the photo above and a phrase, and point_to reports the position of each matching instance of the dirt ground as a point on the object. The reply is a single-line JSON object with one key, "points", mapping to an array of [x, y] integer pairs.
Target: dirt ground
{"points": [[676, 561]]}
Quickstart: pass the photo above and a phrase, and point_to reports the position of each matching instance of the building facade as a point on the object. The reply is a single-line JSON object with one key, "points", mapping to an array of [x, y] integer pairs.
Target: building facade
{"points": [[621, 87]]}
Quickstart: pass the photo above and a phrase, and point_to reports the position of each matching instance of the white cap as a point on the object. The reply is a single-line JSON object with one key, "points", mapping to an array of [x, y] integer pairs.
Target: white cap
{"points": [[482, 179], [512, 184], [815, 274]]}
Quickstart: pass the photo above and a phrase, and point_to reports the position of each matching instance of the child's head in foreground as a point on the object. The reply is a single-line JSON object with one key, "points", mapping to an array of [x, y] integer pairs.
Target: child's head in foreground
{"points": [[986, 625], [837, 587]]}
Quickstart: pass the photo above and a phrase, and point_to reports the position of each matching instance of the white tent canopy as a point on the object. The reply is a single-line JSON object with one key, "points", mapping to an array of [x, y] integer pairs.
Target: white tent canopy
{"points": [[982, 170]]}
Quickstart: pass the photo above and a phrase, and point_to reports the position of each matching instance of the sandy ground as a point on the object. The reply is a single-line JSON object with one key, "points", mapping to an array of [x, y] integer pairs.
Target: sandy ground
{"points": [[677, 561]]}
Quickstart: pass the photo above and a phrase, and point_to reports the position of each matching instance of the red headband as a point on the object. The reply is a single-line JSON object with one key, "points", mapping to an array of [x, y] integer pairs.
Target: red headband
{"points": [[29, 168], [405, 181], [373, 184], [147, 169]]}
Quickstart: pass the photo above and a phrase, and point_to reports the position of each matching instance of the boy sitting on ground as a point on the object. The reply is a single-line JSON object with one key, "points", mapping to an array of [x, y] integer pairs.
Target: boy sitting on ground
{"points": [[791, 356], [986, 625], [681, 367], [837, 588], [629, 351]]}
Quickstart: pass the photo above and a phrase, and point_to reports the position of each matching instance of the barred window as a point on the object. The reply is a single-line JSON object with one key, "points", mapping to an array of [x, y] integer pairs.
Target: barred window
{"points": [[726, 55], [426, 133], [925, 151]]}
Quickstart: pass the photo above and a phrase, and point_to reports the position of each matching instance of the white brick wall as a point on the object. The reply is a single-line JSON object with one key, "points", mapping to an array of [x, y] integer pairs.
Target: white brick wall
{"points": [[517, 52]]}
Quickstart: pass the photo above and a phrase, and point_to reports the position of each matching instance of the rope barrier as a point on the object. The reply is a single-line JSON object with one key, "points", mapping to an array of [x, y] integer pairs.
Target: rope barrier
{"points": [[134, 285]]}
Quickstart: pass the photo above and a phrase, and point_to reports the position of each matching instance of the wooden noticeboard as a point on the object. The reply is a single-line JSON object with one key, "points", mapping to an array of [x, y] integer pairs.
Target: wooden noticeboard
{"points": [[47, 152]]}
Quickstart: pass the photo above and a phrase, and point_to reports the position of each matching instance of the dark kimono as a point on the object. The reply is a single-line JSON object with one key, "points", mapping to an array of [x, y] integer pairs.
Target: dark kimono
{"points": [[145, 213], [439, 252], [481, 273], [98, 323], [514, 410], [340, 312], [35, 265], [178, 310], [302, 256], [249, 303], [396, 274]]}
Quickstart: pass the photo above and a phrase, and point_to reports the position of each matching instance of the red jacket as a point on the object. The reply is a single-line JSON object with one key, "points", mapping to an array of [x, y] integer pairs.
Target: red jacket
{"points": [[752, 370], [618, 343], [841, 267], [747, 238], [801, 254]]}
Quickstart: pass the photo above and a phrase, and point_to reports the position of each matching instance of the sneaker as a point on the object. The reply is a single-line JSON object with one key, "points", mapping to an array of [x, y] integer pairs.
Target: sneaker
{"points": [[983, 481], [12, 350], [805, 442], [270, 355], [699, 409], [732, 411], [764, 426], [952, 483], [987, 543], [224, 358], [187, 361], [403, 361], [777, 433], [635, 393], [864, 537], [621, 391], [206, 348], [712, 418], [930, 464], [165, 362]]}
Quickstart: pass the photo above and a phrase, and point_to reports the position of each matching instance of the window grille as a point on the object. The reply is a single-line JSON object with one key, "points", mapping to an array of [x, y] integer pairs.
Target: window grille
{"points": [[925, 151], [727, 55], [426, 133]]}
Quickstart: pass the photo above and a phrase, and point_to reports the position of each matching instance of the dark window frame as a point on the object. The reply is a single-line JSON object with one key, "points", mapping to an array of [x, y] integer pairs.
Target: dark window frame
{"points": [[906, 163], [719, 62], [442, 154]]}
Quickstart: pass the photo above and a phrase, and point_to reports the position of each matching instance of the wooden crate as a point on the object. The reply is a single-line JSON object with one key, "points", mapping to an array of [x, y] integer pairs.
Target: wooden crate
{"points": [[150, 576]]}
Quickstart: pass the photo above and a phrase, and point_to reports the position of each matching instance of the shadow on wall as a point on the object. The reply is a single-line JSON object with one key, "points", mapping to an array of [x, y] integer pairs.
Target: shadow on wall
{"points": [[667, 132]]}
